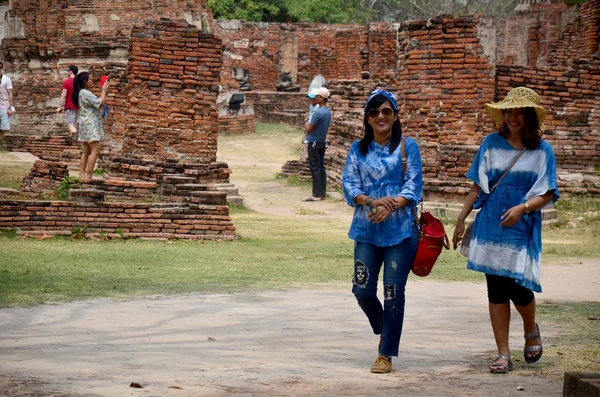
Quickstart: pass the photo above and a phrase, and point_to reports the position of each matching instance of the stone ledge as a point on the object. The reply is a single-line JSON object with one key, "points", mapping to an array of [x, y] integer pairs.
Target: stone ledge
{"points": [[580, 384], [140, 220]]}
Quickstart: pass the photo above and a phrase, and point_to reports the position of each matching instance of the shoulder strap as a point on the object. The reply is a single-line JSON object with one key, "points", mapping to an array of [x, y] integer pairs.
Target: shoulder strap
{"points": [[403, 151], [517, 157], [404, 163]]}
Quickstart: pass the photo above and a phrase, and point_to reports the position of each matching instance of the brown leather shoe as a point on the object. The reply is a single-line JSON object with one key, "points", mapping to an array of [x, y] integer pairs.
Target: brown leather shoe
{"points": [[383, 365]]}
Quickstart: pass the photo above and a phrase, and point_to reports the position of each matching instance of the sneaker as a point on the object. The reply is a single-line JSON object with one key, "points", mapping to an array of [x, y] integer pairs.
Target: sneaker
{"points": [[383, 365]]}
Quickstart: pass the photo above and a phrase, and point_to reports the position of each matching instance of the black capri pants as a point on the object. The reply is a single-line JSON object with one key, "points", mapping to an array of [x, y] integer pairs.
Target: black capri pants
{"points": [[504, 289]]}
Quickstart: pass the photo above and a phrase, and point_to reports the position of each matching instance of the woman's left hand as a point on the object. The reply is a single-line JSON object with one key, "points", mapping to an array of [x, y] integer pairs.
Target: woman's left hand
{"points": [[380, 215], [512, 216]]}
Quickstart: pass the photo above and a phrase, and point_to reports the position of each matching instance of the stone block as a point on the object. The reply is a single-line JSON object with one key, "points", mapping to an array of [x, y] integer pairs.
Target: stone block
{"points": [[93, 195], [580, 384]]}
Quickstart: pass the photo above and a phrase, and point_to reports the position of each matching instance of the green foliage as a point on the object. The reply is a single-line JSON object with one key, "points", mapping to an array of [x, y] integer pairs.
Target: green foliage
{"points": [[79, 233], [249, 10], [329, 11], [238, 208], [575, 2], [355, 11], [62, 192], [294, 180]]}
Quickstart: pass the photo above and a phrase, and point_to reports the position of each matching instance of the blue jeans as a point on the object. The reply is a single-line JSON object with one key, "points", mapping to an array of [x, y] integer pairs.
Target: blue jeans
{"points": [[397, 260], [4, 120]]}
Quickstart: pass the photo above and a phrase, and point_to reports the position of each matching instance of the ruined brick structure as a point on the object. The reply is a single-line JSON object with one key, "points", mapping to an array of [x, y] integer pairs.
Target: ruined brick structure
{"points": [[43, 37], [170, 113], [443, 70], [161, 138], [143, 220], [44, 178]]}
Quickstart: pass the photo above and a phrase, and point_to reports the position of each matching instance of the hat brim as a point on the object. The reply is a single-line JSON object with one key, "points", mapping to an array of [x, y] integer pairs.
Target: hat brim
{"points": [[312, 96], [496, 110]]}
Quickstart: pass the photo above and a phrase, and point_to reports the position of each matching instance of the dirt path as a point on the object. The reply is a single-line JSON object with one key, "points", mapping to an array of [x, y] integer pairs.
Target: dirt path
{"points": [[271, 343]]}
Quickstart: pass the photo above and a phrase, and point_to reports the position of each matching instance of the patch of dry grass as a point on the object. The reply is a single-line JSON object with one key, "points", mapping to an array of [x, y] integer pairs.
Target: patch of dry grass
{"points": [[576, 348], [13, 173]]}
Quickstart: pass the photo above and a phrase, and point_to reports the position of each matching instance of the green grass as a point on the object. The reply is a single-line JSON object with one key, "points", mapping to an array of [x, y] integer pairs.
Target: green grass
{"points": [[294, 180], [575, 348], [577, 230], [269, 254]]}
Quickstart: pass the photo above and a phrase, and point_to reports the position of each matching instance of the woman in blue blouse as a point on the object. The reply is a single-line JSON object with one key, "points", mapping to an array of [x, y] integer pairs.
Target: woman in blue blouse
{"points": [[383, 226]]}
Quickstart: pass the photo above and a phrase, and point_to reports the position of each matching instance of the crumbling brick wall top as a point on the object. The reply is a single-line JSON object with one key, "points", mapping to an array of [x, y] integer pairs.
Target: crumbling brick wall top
{"points": [[173, 73]]}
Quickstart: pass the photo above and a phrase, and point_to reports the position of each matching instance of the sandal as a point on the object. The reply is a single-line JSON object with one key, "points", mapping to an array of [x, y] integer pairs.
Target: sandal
{"points": [[501, 368], [534, 348]]}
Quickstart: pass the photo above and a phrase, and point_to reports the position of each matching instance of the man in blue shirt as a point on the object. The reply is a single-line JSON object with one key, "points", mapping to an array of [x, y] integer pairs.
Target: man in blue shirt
{"points": [[316, 138]]}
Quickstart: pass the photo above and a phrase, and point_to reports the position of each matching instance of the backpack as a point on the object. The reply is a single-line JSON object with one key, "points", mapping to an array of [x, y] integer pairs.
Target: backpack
{"points": [[432, 236]]}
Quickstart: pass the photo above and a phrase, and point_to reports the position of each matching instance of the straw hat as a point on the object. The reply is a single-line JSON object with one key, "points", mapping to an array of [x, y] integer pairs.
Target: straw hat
{"points": [[519, 97]]}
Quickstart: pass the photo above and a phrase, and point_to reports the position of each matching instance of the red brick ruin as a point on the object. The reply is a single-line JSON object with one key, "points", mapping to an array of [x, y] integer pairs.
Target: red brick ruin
{"points": [[174, 70]]}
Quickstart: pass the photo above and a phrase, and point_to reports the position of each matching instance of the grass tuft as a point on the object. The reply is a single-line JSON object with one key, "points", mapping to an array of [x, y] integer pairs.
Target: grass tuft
{"points": [[9, 234]]}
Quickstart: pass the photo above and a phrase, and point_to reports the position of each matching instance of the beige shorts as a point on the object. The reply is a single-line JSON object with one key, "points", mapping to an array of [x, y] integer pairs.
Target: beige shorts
{"points": [[71, 116]]}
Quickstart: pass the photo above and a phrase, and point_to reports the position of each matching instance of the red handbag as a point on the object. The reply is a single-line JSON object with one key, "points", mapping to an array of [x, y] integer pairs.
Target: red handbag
{"points": [[432, 236]]}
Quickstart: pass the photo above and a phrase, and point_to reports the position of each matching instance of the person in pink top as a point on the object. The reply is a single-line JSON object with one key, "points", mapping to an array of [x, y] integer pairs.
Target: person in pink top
{"points": [[66, 103], [7, 104]]}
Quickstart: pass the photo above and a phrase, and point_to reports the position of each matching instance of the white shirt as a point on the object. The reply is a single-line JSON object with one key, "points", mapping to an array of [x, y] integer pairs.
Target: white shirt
{"points": [[5, 85]]}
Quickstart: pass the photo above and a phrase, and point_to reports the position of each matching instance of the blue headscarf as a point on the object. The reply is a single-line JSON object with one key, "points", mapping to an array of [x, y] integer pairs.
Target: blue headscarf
{"points": [[390, 97]]}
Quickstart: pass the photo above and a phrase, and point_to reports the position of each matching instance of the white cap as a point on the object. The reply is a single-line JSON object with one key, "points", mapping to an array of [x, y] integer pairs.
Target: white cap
{"points": [[324, 92]]}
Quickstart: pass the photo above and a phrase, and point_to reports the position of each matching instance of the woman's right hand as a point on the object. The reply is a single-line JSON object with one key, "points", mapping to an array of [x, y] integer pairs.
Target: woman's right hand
{"points": [[389, 203], [379, 214], [459, 231]]}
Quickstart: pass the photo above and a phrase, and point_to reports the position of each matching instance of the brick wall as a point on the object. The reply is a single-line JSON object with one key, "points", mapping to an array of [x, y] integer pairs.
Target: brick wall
{"points": [[58, 33], [571, 97], [349, 42], [580, 38], [153, 221], [443, 70], [237, 124], [445, 80], [51, 148], [267, 49], [285, 107], [382, 52], [545, 34], [44, 178], [171, 108]]}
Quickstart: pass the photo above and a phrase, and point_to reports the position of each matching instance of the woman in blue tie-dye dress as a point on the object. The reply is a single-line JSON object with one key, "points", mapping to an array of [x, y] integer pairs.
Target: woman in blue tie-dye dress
{"points": [[506, 243]]}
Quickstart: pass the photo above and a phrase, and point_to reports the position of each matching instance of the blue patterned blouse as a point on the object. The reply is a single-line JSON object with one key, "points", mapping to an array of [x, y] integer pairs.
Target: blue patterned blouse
{"points": [[379, 174]]}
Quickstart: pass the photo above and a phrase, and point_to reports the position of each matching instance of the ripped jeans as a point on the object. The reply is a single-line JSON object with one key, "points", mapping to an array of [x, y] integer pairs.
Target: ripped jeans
{"points": [[397, 260]]}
